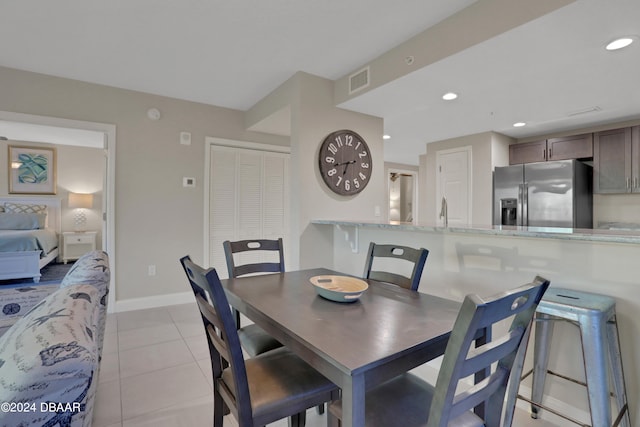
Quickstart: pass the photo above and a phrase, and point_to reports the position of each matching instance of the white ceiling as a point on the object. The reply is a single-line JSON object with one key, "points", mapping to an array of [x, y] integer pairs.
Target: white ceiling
{"points": [[232, 54], [543, 73]]}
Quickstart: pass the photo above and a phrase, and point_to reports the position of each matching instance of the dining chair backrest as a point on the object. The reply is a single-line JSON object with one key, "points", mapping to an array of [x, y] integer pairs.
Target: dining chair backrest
{"points": [[257, 247], [244, 246], [462, 360], [222, 337], [417, 257]]}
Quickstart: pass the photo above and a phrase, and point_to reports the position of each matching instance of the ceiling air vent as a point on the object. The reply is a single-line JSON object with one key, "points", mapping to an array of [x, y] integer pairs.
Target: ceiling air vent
{"points": [[358, 80], [584, 111]]}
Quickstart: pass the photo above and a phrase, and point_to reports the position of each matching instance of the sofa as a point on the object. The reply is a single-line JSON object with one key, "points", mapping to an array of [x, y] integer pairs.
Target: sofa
{"points": [[50, 358]]}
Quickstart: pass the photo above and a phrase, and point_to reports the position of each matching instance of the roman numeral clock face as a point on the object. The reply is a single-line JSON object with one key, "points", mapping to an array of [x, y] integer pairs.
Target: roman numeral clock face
{"points": [[345, 162]]}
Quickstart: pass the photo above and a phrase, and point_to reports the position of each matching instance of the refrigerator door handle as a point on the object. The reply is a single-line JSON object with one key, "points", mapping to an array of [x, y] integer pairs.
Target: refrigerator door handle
{"points": [[519, 211], [525, 204]]}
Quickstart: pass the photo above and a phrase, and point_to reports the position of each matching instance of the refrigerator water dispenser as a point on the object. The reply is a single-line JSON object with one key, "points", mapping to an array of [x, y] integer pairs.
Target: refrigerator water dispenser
{"points": [[509, 211]]}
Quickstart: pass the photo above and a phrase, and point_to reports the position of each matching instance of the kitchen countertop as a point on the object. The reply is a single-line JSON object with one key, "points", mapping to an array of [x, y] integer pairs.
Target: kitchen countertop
{"points": [[631, 236]]}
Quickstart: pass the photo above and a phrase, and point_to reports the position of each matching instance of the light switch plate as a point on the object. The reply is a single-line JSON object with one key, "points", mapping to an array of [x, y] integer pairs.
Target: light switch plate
{"points": [[188, 181]]}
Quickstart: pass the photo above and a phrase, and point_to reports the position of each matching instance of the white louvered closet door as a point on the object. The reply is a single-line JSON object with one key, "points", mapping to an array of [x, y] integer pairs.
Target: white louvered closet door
{"points": [[248, 200]]}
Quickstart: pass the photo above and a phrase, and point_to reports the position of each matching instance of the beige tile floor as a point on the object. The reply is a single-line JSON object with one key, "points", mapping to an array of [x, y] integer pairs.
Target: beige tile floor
{"points": [[155, 372]]}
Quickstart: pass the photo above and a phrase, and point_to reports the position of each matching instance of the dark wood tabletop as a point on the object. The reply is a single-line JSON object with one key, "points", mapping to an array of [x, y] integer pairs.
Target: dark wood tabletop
{"points": [[388, 331]]}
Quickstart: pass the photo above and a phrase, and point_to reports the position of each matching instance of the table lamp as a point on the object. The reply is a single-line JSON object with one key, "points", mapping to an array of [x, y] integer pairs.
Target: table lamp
{"points": [[80, 202]]}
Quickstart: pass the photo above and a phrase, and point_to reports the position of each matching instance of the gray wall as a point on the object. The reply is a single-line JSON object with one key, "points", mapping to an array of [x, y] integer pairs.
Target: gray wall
{"points": [[157, 220]]}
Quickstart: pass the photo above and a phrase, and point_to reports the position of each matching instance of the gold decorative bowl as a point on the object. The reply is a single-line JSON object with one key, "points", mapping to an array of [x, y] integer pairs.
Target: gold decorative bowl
{"points": [[339, 288]]}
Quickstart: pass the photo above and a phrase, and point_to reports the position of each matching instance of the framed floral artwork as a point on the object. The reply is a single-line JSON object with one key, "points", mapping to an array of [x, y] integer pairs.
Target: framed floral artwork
{"points": [[32, 170]]}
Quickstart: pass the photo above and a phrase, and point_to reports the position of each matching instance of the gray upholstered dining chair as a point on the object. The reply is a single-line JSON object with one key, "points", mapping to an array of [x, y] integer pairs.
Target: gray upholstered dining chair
{"points": [[257, 391], [417, 257], [253, 338], [419, 404]]}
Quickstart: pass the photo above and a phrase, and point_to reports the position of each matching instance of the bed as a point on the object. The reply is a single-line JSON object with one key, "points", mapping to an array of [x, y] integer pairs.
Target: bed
{"points": [[28, 236]]}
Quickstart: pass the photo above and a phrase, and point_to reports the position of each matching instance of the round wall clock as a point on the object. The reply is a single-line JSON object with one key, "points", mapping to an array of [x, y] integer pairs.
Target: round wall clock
{"points": [[345, 162]]}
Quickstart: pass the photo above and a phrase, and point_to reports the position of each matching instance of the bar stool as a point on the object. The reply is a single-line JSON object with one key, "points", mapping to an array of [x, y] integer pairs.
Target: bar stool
{"points": [[595, 315]]}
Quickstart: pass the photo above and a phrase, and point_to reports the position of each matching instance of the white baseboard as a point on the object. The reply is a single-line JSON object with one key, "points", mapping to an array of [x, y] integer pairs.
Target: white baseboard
{"points": [[154, 301]]}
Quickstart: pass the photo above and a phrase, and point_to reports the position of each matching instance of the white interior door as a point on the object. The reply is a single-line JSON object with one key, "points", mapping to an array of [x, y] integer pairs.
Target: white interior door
{"points": [[454, 184]]}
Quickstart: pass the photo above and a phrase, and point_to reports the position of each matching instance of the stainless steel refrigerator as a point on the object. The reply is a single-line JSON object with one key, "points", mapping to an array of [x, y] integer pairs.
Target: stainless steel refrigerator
{"points": [[545, 194]]}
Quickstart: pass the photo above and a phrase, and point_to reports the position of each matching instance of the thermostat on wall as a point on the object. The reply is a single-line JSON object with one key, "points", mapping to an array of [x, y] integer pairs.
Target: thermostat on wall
{"points": [[188, 181], [185, 138]]}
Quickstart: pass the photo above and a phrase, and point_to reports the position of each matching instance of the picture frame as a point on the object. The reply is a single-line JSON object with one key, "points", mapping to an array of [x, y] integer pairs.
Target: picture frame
{"points": [[32, 170]]}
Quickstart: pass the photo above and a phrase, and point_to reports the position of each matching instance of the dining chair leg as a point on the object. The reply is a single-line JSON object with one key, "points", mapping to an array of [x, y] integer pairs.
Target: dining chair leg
{"points": [[332, 420], [298, 420], [219, 409]]}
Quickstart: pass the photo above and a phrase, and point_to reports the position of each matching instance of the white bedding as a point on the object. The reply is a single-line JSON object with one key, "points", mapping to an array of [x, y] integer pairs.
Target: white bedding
{"points": [[20, 256]]}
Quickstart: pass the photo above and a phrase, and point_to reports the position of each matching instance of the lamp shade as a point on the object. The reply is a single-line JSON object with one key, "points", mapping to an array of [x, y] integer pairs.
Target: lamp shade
{"points": [[79, 200]]}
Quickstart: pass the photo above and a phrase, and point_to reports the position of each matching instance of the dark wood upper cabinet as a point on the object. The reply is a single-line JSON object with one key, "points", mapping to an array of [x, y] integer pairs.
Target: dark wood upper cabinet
{"points": [[615, 153], [528, 152], [570, 147], [567, 147], [616, 161]]}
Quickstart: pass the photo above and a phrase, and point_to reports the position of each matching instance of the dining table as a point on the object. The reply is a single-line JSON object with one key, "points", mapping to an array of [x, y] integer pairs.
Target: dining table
{"points": [[387, 331]]}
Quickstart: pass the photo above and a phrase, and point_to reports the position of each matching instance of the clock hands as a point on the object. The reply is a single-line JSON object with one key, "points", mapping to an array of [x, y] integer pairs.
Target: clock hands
{"points": [[346, 165]]}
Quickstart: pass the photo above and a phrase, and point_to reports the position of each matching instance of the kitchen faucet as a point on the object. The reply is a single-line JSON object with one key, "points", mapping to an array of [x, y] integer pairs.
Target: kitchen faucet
{"points": [[444, 212]]}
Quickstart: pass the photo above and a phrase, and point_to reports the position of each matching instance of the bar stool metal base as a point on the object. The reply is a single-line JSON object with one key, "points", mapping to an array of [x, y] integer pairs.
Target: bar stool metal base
{"points": [[595, 316]]}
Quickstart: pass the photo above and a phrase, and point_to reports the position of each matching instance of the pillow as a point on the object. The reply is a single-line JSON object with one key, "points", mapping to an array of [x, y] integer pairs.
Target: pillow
{"points": [[24, 208], [22, 221]]}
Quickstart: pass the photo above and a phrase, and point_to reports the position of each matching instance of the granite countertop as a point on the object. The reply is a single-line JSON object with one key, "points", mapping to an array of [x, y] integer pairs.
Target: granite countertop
{"points": [[613, 235]]}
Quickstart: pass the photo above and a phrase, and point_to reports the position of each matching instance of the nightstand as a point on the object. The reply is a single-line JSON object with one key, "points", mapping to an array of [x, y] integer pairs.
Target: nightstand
{"points": [[77, 243]]}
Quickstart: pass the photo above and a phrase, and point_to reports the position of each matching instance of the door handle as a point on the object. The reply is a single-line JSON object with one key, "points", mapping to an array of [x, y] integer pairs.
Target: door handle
{"points": [[525, 204], [519, 206]]}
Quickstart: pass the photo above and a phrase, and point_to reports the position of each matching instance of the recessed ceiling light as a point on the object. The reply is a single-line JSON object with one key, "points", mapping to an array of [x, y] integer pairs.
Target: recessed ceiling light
{"points": [[620, 43], [519, 124], [386, 136], [449, 96]]}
